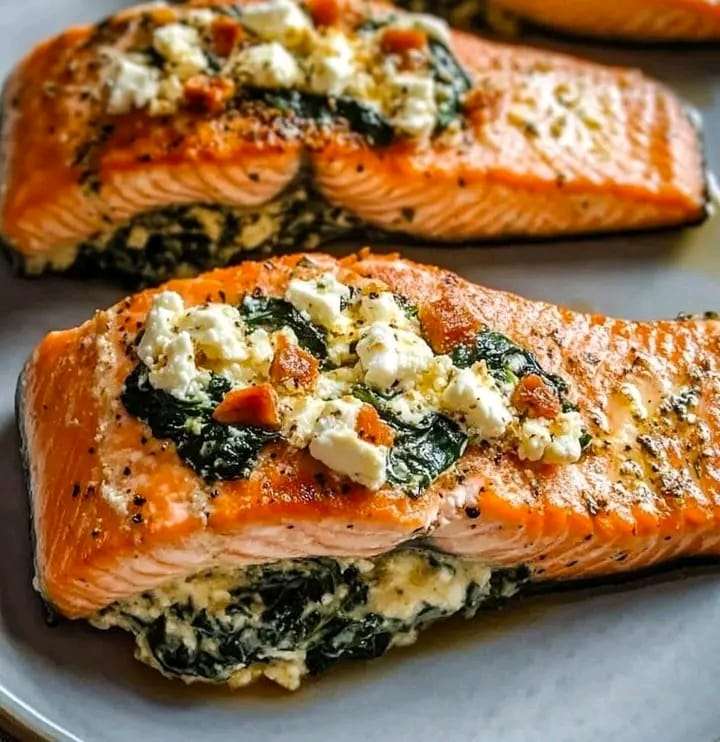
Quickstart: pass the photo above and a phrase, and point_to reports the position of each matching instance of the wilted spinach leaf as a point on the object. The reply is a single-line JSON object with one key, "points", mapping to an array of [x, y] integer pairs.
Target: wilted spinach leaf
{"points": [[447, 71], [273, 314], [420, 453], [361, 118], [503, 357], [213, 450]]}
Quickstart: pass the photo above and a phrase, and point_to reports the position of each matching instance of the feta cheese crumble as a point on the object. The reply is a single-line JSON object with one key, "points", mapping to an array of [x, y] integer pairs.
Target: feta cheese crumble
{"points": [[337, 444], [281, 48], [473, 395], [382, 358], [320, 299], [268, 66]]}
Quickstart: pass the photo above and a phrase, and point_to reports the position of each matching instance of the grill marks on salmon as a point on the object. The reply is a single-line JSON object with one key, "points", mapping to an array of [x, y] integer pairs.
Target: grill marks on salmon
{"points": [[548, 145], [117, 512]]}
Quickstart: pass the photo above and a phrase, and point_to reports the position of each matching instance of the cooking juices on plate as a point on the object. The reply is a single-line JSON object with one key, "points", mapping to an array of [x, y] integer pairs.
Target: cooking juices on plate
{"points": [[274, 467], [169, 139], [634, 20]]}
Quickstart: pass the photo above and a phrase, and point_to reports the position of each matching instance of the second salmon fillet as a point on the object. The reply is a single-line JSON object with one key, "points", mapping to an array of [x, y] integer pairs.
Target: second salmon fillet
{"points": [[170, 139]]}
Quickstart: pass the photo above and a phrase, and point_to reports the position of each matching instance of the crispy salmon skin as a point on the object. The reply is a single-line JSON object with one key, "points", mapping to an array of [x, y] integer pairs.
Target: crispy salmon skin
{"points": [[584, 445], [167, 140]]}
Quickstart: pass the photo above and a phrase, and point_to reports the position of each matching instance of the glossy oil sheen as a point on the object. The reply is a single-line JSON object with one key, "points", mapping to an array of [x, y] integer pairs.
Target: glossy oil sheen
{"points": [[631, 666]]}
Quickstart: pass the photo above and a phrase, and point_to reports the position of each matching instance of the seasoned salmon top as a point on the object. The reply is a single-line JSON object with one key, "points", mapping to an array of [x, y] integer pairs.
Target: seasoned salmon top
{"points": [[391, 118], [304, 406]]}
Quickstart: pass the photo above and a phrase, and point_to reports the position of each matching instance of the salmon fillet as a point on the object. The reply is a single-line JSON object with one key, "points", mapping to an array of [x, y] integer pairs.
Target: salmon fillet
{"points": [[636, 20], [121, 508], [123, 154]]}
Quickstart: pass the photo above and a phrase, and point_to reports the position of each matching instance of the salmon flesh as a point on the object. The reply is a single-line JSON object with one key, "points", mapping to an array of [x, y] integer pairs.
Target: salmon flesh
{"points": [[171, 139], [276, 466], [645, 21]]}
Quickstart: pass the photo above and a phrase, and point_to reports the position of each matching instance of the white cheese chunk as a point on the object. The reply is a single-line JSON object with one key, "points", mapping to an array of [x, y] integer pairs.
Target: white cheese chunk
{"points": [[268, 66], [635, 400], [177, 372], [181, 46], [534, 439], [336, 444], [275, 19], [565, 447], [217, 331], [321, 300], [390, 356], [383, 307], [331, 66], [160, 326], [415, 106], [472, 394], [300, 420], [132, 82]]}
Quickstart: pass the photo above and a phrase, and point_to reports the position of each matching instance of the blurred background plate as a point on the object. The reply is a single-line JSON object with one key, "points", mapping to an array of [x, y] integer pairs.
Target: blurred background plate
{"points": [[629, 666]]}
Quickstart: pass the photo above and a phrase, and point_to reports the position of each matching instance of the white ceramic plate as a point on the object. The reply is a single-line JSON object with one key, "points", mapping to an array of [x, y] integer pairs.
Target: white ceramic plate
{"points": [[632, 665]]}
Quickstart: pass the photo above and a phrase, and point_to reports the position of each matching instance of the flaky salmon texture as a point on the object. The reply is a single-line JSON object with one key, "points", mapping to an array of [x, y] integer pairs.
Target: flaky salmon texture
{"points": [[634, 20], [168, 140], [329, 454]]}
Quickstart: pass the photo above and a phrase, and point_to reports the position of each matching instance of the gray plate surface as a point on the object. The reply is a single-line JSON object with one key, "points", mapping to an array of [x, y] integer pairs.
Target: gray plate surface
{"points": [[630, 666]]}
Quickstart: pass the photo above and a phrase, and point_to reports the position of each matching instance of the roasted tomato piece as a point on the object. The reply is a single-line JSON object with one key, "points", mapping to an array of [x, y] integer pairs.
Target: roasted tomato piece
{"points": [[447, 322], [226, 33], [254, 405], [372, 429], [293, 366], [208, 94], [403, 40], [325, 12], [536, 397]]}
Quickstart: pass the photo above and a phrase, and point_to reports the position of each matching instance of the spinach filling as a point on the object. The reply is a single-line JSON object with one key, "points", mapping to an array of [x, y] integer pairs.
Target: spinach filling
{"points": [[213, 450], [420, 452], [273, 314], [310, 612], [185, 240]]}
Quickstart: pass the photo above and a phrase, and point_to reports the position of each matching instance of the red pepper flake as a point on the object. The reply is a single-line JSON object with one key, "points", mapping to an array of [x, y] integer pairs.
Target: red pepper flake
{"points": [[75, 490], [137, 518]]}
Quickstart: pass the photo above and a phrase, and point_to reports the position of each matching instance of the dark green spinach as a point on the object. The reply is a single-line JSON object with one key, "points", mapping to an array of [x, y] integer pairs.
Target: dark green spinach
{"points": [[504, 359], [361, 118], [421, 452], [214, 451], [448, 72], [272, 314]]}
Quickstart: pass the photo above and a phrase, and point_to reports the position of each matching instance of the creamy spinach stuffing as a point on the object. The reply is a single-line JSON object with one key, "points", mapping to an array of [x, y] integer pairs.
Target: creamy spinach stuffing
{"points": [[346, 373], [290, 619]]}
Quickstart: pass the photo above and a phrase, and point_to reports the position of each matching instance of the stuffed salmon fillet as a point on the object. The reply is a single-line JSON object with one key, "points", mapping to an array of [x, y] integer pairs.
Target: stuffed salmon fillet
{"points": [[167, 140], [272, 467], [635, 20]]}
